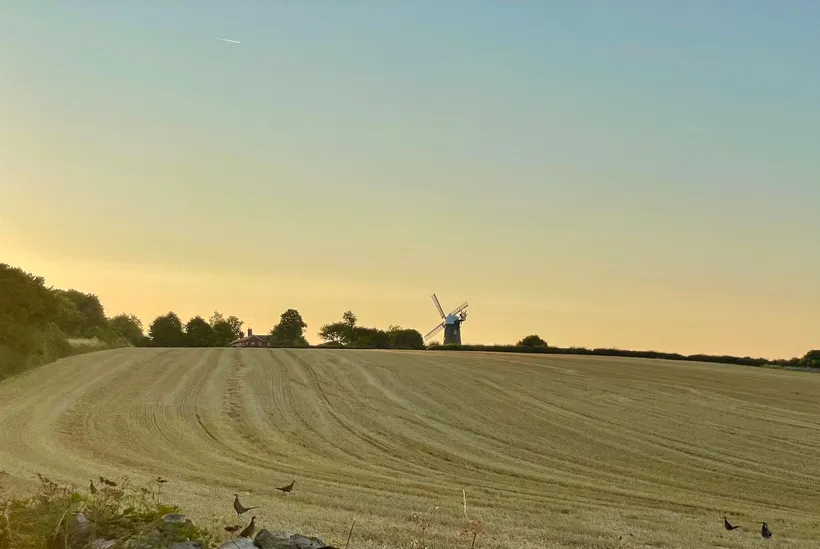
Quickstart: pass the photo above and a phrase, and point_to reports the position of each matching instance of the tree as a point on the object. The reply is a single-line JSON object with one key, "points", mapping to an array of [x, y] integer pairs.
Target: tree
{"points": [[349, 318], [290, 330], [128, 327], [91, 308], [68, 317], [335, 332], [370, 337], [532, 341], [198, 333], [349, 322], [223, 333], [405, 338], [27, 306], [812, 359], [236, 326], [166, 331], [340, 332], [25, 299], [226, 330]]}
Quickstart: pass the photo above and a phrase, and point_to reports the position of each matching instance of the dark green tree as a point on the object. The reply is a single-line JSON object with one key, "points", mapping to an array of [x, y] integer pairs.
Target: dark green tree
{"points": [[532, 341], [370, 337], [340, 332], [236, 326], [91, 308], [226, 329], [290, 330], [128, 327], [224, 333], [405, 338], [24, 298], [349, 318], [335, 332], [27, 307], [68, 317], [812, 359], [166, 331], [198, 333]]}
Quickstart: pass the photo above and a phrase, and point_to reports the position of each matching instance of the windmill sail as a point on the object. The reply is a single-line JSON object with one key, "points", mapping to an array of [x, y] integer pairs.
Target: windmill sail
{"points": [[438, 306], [451, 323]]}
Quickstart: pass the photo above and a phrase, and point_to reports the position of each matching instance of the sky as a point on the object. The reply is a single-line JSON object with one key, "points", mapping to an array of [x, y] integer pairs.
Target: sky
{"points": [[632, 174]]}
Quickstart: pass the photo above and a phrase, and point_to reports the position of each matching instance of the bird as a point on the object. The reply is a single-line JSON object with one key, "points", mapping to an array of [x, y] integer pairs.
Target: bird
{"points": [[249, 529], [728, 525], [765, 532], [92, 488], [288, 488], [160, 480], [107, 482], [240, 509], [232, 529]]}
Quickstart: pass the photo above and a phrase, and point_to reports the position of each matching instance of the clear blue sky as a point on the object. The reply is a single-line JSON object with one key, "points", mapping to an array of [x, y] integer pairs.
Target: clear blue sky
{"points": [[631, 173]]}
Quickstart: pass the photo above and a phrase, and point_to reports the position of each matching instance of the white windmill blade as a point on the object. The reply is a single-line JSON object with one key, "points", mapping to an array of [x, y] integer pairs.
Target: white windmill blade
{"points": [[438, 306], [434, 331], [229, 40], [459, 309]]}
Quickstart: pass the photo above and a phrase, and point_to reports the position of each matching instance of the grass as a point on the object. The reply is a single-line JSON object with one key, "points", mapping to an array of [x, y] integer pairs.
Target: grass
{"points": [[81, 342], [436, 449]]}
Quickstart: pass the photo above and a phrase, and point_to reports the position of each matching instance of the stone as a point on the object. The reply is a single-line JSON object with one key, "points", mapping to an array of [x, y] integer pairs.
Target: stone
{"points": [[82, 522], [174, 518], [283, 540], [186, 545], [238, 543], [172, 521]]}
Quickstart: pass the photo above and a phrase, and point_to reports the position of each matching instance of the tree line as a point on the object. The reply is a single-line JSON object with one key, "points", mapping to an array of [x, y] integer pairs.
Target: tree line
{"points": [[39, 324], [218, 331]]}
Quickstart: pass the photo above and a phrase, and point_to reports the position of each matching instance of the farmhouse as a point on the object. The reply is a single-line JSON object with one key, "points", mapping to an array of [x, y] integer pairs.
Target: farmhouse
{"points": [[250, 340]]}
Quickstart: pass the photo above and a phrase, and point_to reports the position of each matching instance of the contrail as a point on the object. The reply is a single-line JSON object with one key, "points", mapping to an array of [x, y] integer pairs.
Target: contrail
{"points": [[231, 41]]}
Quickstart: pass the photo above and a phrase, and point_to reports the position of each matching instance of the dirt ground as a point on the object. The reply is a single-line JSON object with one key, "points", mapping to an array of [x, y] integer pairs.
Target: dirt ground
{"points": [[552, 451]]}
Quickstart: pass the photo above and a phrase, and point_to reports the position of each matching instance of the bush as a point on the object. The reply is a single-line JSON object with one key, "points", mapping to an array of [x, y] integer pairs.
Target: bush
{"points": [[722, 359], [58, 516], [532, 341], [50, 344], [11, 362]]}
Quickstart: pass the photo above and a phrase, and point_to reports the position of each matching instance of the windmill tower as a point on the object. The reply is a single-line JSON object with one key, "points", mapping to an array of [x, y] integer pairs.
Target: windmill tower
{"points": [[451, 323]]}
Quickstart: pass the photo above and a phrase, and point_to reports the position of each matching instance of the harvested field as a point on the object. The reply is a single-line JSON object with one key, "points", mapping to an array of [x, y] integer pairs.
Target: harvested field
{"points": [[553, 451]]}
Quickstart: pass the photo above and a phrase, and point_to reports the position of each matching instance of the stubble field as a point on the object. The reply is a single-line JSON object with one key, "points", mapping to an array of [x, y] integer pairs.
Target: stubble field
{"points": [[553, 451]]}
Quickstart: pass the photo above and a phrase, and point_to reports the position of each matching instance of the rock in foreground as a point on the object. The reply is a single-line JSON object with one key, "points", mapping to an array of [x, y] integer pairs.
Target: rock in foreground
{"points": [[274, 540]]}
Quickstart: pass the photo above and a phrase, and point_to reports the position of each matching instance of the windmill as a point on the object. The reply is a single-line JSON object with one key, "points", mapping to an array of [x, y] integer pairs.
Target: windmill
{"points": [[451, 324]]}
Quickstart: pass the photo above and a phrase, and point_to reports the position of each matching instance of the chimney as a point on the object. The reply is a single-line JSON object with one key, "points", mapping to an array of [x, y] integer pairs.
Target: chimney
{"points": [[250, 332]]}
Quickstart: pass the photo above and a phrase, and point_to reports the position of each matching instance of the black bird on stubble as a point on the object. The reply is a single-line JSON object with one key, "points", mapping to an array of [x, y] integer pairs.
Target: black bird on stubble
{"points": [[239, 508], [765, 532], [288, 488]]}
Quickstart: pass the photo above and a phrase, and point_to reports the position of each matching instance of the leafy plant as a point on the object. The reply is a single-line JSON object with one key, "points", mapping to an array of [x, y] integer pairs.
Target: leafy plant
{"points": [[59, 516]]}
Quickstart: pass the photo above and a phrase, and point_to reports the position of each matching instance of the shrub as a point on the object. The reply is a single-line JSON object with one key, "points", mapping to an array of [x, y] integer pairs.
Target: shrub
{"points": [[58, 516], [532, 341]]}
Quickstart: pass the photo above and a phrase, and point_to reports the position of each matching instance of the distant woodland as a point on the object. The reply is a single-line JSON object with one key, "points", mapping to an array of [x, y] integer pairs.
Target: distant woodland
{"points": [[40, 324]]}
